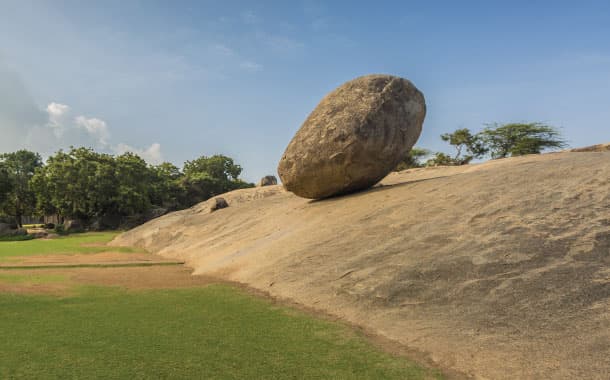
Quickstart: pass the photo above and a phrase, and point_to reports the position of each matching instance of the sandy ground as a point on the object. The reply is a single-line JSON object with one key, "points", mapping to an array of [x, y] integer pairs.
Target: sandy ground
{"points": [[132, 278], [102, 258], [499, 270]]}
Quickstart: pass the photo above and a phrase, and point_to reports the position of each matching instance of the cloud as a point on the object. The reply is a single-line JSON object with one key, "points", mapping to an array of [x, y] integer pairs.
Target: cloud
{"points": [[152, 154], [26, 125], [56, 111], [96, 127]]}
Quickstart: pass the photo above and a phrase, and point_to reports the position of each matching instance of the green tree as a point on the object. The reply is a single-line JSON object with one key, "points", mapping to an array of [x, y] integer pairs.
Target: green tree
{"points": [[467, 146], [132, 176], [165, 187], [5, 183], [516, 139], [206, 177], [20, 167], [441, 159], [80, 184], [412, 159]]}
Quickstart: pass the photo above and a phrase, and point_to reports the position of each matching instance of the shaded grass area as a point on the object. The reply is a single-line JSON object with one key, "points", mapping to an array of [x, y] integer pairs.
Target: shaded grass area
{"points": [[17, 238], [91, 242], [215, 332]]}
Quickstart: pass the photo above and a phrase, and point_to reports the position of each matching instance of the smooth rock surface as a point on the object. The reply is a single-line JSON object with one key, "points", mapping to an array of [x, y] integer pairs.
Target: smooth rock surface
{"points": [[354, 137]]}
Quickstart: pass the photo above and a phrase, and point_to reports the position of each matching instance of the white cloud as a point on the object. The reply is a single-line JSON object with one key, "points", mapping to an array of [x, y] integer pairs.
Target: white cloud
{"points": [[96, 127], [152, 154], [57, 117], [56, 111]]}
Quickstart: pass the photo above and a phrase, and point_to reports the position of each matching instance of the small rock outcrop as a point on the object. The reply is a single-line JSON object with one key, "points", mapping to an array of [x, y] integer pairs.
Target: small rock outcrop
{"points": [[268, 180], [218, 203], [593, 148], [354, 137]]}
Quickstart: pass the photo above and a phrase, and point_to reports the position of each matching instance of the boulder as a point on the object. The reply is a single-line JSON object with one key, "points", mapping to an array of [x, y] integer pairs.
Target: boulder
{"points": [[267, 180], [354, 137], [218, 203]]}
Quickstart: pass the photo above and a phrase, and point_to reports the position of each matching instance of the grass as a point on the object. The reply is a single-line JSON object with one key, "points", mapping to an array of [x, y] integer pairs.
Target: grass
{"points": [[31, 278], [72, 244], [215, 332], [211, 332], [16, 238]]}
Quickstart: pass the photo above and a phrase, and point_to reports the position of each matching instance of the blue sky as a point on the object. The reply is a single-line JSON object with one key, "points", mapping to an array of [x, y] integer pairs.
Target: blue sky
{"points": [[175, 80]]}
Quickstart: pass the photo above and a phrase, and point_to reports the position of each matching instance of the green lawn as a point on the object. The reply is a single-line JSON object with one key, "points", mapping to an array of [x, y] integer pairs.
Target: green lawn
{"points": [[71, 244], [214, 332], [206, 332]]}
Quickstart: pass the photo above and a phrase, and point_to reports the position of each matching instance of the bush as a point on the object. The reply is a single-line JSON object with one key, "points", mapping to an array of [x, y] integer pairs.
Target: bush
{"points": [[17, 238], [60, 229]]}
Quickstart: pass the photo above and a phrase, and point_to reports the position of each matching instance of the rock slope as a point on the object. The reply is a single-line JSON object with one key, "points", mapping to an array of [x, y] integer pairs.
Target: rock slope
{"points": [[498, 270]]}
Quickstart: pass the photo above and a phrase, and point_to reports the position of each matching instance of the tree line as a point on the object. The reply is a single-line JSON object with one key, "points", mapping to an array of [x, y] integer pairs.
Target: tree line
{"points": [[105, 190], [494, 141]]}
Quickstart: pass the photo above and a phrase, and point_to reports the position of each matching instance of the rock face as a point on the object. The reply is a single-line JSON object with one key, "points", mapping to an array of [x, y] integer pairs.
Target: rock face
{"points": [[267, 180], [218, 203], [354, 137]]}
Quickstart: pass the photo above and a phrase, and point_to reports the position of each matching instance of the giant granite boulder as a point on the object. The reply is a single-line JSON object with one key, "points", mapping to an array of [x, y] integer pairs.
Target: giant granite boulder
{"points": [[354, 137]]}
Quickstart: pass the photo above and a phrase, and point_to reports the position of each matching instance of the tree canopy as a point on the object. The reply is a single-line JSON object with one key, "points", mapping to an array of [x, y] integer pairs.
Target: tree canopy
{"points": [[413, 159], [517, 139], [18, 169], [465, 142], [97, 187], [498, 141]]}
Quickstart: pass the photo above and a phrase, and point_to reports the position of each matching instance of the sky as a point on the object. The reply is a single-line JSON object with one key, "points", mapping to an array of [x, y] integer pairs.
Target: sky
{"points": [[175, 80]]}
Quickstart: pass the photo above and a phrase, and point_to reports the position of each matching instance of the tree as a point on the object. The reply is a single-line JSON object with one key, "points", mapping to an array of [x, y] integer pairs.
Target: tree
{"points": [[5, 183], [516, 139], [441, 159], [132, 178], [206, 177], [165, 189], [20, 167], [412, 159], [465, 142]]}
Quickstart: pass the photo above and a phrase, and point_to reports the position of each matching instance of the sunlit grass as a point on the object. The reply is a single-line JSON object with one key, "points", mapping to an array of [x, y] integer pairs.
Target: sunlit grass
{"points": [[91, 242], [215, 332]]}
